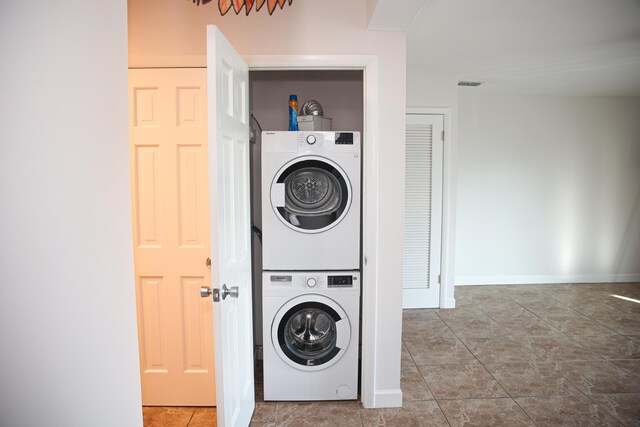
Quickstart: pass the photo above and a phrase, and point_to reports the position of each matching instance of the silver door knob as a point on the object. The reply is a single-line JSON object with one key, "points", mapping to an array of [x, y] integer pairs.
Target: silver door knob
{"points": [[232, 292], [205, 291]]}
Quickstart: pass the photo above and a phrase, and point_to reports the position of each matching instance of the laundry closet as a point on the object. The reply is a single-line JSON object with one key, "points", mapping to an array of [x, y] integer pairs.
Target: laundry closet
{"points": [[171, 178], [341, 96]]}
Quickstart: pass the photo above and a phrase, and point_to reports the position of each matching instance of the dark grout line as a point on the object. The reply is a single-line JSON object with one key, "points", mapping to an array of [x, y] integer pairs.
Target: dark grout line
{"points": [[410, 355], [423, 379], [190, 418], [525, 412]]}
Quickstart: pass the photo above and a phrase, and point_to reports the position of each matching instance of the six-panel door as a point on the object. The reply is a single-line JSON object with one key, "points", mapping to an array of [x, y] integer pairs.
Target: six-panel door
{"points": [[171, 236]]}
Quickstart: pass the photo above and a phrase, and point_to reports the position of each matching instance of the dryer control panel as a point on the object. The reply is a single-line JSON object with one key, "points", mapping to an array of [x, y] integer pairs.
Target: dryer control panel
{"points": [[329, 142]]}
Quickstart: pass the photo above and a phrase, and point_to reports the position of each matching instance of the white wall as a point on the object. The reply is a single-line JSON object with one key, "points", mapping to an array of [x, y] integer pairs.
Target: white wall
{"points": [[173, 32], [426, 88], [548, 189], [67, 310]]}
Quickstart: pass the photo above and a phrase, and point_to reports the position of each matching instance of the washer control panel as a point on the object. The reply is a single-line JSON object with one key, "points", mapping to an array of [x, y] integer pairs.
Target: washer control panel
{"points": [[340, 281], [311, 280]]}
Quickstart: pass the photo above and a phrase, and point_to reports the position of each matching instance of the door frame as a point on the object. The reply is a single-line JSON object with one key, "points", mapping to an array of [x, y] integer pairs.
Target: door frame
{"points": [[368, 64], [447, 254]]}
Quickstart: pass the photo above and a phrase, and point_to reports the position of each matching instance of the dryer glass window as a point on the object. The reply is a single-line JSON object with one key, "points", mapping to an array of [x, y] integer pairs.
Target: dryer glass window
{"points": [[316, 195], [307, 334]]}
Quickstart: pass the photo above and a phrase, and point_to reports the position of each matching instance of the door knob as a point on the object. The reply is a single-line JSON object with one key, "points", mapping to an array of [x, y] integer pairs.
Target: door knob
{"points": [[232, 292], [205, 291]]}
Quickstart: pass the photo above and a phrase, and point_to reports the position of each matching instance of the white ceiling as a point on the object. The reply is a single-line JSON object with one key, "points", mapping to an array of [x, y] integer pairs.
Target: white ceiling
{"points": [[568, 47]]}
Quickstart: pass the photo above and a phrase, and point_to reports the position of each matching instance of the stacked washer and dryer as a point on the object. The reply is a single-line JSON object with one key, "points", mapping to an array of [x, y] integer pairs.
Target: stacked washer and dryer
{"points": [[311, 261]]}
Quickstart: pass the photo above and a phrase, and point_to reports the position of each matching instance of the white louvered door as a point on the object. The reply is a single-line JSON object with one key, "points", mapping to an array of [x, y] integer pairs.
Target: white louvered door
{"points": [[423, 211]]}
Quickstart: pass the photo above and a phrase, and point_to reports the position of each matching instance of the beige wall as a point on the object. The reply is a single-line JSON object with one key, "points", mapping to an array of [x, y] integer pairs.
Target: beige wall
{"points": [[170, 28], [172, 32]]}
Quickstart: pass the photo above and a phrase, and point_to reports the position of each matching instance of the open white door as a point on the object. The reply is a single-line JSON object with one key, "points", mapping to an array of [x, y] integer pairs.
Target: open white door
{"points": [[228, 97]]}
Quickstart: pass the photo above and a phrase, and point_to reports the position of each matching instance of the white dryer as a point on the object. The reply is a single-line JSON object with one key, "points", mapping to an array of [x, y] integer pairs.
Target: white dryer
{"points": [[311, 335], [311, 200]]}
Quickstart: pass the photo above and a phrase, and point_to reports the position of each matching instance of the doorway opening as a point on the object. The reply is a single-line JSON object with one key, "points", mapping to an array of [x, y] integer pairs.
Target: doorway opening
{"points": [[341, 95]]}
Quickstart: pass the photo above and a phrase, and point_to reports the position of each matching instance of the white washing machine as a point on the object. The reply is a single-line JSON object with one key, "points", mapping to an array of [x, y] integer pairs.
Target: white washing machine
{"points": [[310, 335], [311, 200]]}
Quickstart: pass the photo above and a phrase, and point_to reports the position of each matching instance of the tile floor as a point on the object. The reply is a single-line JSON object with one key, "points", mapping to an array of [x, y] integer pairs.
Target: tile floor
{"points": [[155, 416], [542, 355]]}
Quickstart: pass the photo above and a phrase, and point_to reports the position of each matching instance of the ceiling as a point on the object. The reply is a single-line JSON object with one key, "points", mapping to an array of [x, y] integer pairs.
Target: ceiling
{"points": [[566, 47]]}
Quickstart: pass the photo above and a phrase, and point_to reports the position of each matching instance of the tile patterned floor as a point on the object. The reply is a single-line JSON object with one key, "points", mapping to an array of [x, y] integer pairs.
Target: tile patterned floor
{"points": [[542, 355], [154, 416]]}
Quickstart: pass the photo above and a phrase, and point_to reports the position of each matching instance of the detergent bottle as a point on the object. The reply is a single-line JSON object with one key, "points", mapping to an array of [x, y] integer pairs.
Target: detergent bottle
{"points": [[293, 112]]}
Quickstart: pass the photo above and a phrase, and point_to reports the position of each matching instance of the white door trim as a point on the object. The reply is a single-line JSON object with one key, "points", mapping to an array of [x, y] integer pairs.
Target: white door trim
{"points": [[447, 260], [370, 201]]}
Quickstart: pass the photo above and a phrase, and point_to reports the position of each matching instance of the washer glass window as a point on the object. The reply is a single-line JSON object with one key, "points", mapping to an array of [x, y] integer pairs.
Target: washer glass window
{"points": [[316, 194], [307, 334]]}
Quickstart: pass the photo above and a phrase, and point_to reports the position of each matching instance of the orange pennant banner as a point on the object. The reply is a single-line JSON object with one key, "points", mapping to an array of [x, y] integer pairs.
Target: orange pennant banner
{"points": [[225, 5]]}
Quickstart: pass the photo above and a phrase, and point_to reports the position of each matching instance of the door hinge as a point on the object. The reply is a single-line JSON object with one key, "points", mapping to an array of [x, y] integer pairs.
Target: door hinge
{"points": [[439, 279], [442, 136]]}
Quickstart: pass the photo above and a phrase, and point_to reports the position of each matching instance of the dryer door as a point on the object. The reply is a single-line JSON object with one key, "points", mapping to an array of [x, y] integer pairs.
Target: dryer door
{"points": [[311, 194], [311, 332]]}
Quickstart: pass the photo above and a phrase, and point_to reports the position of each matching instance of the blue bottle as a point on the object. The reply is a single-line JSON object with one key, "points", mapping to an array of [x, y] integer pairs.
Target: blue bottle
{"points": [[293, 112]]}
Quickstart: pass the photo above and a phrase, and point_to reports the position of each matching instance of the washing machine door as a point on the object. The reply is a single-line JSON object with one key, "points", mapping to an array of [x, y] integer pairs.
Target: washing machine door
{"points": [[311, 332], [311, 194]]}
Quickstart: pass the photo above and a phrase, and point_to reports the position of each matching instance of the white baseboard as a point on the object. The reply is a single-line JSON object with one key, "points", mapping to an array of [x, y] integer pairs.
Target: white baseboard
{"points": [[531, 280], [387, 398], [420, 298], [449, 303]]}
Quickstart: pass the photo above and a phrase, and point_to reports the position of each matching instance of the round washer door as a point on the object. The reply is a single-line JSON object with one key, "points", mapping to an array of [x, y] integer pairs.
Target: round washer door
{"points": [[310, 332], [311, 194]]}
